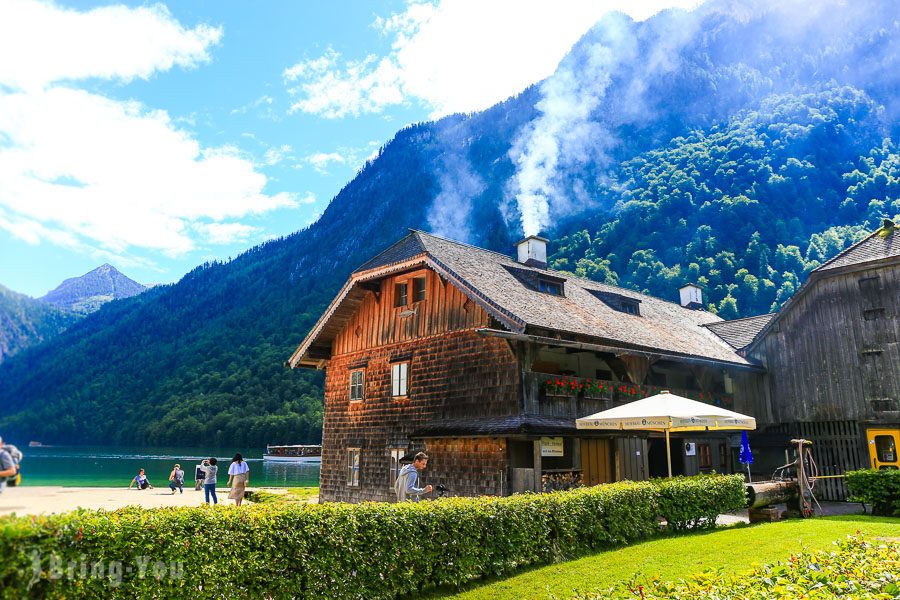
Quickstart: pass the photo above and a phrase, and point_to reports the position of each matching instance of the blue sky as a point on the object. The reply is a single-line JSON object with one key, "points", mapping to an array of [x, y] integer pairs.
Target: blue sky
{"points": [[155, 137]]}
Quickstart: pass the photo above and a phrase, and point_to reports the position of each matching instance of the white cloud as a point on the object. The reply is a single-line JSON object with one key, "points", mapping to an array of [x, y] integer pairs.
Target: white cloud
{"points": [[321, 160], [276, 154], [309, 198], [52, 44], [352, 158], [226, 233], [359, 87], [94, 174], [455, 56]]}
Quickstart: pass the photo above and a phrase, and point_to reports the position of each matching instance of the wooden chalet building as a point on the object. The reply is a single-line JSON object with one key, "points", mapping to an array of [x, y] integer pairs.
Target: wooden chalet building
{"points": [[484, 362], [832, 357]]}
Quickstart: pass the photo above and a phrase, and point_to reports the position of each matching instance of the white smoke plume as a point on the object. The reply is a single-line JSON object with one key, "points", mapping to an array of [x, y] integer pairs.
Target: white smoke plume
{"points": [[571, 131], [450, 211], [565, 133]]}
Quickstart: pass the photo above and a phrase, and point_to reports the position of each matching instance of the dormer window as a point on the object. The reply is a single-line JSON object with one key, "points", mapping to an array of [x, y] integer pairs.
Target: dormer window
{"points": [[630, 307], [554, 288], [619, 302]]}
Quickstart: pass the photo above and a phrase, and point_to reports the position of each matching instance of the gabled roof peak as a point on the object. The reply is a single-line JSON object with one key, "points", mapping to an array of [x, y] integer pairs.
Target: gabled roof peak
{"points": [[882, 243]]}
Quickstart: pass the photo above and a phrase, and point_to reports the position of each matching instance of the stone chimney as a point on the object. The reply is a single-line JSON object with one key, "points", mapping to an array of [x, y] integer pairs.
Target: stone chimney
{"points": [[533, 251], [691, 296]]}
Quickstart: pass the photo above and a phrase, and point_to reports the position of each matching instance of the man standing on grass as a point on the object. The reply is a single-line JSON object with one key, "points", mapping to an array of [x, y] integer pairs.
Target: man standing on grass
{"points": [[7, 466], [406, 486]]}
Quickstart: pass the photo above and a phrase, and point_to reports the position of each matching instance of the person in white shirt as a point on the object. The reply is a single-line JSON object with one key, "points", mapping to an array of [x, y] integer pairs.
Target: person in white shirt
{"points": [[238, 477]]}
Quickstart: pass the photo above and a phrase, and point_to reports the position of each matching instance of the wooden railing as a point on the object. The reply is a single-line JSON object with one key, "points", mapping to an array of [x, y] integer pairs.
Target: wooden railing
{"points": [[573, 397]]}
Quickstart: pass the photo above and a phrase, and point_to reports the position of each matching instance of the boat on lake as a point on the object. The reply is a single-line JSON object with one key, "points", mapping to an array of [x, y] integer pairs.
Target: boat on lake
{"points": [[308, 453]]}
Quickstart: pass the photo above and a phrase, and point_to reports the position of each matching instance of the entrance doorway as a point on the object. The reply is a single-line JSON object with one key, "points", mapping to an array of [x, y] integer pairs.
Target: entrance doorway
{"points": [[883, 444], [656, 457], [596, 462]]}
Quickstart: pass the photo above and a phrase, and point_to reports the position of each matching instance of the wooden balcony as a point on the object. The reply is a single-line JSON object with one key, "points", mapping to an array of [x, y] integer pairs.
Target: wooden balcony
{"points": [[576, 397]]}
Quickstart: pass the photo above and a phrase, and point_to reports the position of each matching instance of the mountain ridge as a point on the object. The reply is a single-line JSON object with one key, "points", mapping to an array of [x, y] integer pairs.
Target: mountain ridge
{"points": [[87, 293]]}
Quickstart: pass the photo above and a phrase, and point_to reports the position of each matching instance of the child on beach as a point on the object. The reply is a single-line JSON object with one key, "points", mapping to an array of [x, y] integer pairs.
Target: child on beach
{"points": [[141, 480], [209, 482], [176, 479]]}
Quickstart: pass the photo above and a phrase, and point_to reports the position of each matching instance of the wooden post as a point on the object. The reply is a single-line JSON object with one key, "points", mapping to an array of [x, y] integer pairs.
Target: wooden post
{"points": [[668, 453]]}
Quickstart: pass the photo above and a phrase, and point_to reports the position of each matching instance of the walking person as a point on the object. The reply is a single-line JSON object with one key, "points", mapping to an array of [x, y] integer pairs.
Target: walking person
{"points": [[238, 477], [406, 487], [209, 482], [176, 479]]}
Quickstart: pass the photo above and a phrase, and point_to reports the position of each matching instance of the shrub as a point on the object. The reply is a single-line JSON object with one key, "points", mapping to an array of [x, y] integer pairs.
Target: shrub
{"points": [[857, 568], [695, 502], [284, 549], [879, 488]]}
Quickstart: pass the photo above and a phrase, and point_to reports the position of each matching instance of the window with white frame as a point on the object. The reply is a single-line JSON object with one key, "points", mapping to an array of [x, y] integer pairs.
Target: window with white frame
{"points": [[353, 467], [357, 385], [397, 455], [399, 379]]}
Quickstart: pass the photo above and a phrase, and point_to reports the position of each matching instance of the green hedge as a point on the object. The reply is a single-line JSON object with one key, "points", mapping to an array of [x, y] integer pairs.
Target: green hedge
{"points": [[857, 568], [370, 550], [695, 502], [879, 488]]}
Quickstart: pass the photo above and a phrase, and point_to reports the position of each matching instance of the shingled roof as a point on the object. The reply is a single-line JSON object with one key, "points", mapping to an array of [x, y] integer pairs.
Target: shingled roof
{"points": [[495, 282], [884, 243], [880, 246], [740, 332]]}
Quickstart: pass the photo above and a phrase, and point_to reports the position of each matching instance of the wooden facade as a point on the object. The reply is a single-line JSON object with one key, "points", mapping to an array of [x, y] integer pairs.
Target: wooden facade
{"points": [[420, 358], [832, 357], [452, 372], [457, 374], [835, 355]]}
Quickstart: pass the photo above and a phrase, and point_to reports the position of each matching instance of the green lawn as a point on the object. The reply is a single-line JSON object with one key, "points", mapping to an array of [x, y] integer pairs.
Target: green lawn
{"points": [[674, 557], [302, 494]]}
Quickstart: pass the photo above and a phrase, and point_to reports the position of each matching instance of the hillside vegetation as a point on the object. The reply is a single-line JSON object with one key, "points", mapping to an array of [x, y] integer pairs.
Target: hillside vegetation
{"points": [[745, 209], [25, 322]]}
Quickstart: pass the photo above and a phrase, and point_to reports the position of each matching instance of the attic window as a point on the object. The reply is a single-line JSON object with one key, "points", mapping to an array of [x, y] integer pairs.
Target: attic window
{"points": [[624, 304], [538, 281], [630, 307], [554, 288]]}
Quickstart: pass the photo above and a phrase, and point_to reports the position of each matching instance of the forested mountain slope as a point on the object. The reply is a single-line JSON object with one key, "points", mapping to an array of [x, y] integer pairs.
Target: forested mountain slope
{"points": [[736, 146], [25, 321]]}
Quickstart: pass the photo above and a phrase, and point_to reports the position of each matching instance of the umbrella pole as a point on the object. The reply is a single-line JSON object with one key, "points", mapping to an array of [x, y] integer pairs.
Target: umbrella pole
{"points": [[668, 454]]}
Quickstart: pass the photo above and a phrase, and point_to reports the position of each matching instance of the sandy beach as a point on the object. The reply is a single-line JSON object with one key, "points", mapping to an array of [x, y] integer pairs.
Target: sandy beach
{"points": [[30, 500]]}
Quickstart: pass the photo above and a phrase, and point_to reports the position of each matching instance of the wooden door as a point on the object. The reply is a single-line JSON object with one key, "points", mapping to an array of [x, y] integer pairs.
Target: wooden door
{"points": [[883, 445], [596, 462]]}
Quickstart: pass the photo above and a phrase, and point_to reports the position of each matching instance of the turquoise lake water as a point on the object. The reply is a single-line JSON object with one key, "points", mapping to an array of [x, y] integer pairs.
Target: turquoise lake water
{"points": [[116, 466]]}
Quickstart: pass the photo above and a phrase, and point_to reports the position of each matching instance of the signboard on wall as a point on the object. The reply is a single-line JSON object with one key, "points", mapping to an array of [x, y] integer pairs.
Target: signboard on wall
{"points": [[551, 446]]}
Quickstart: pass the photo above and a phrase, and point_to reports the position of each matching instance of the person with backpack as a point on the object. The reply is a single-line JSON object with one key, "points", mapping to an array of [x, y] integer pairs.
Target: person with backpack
{"points": [[176, 479], [7, 467], [406, 487]]}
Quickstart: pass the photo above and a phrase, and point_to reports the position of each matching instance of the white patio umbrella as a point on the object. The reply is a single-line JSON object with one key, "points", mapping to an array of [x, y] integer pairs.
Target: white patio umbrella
{"points": [[667, 412]]}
